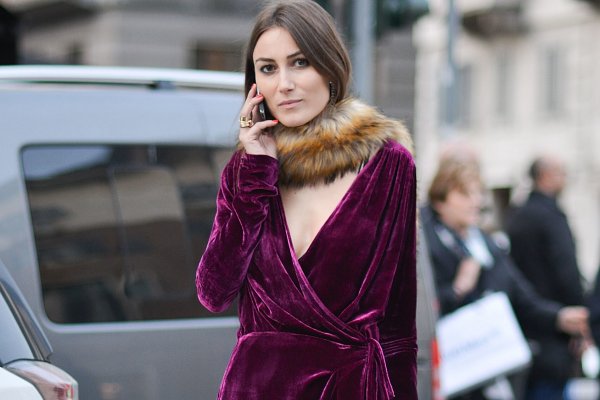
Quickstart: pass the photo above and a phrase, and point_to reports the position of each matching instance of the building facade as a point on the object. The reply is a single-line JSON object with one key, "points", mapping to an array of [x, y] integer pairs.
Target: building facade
{"points": [[172, 34], [526, 77]]}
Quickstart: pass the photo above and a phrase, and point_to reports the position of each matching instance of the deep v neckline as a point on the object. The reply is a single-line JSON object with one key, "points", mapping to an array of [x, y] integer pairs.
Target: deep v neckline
{"points": [[329, 220]]}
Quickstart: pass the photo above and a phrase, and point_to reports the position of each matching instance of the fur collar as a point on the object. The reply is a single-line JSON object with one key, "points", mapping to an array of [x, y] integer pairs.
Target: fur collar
{"points": [[340, 140]]}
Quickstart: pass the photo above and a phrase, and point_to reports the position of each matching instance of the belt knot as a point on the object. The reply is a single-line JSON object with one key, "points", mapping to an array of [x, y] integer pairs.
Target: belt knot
{"points": [[377, 371]]}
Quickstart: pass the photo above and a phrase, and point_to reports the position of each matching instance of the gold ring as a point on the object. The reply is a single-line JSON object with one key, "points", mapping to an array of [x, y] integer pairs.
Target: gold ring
{"points": [[245, 122]]}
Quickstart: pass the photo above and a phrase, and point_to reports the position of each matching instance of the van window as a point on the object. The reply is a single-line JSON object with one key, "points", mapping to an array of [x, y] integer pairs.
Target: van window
{"points": [[119, 229]]}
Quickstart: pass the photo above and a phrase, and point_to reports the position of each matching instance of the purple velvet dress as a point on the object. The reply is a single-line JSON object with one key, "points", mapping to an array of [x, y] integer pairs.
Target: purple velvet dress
{"points": [[337, 323]]}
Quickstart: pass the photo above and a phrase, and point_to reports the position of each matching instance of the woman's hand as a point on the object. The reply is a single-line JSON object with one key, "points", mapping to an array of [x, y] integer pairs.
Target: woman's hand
{"points": [[466, 277], [256, 138], [573, 320]]}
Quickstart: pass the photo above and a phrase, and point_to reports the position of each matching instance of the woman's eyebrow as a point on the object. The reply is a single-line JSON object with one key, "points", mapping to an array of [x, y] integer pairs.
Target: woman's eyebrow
{"points": [[295, 54], [265, 59]]}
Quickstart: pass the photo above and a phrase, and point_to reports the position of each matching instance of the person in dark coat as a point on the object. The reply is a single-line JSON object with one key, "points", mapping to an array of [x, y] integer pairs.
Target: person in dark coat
{"points": [[543, 248], [593, 302], [468, 263]]}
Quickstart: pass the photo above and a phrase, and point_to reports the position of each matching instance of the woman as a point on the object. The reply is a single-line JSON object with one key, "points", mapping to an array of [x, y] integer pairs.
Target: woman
{"points": [[315, 227], [468, 263]]}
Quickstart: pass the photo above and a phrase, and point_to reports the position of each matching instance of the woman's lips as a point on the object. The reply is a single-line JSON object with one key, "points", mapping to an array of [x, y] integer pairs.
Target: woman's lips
{"points": [[289, 103]]}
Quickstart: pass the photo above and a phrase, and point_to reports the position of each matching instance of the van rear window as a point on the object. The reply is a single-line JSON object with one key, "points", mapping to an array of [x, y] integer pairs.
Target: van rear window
{"points": [[119, 229]]}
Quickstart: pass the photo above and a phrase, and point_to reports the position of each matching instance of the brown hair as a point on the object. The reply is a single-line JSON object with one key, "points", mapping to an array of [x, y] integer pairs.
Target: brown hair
{"points": [[315, 33], [452, 174]]}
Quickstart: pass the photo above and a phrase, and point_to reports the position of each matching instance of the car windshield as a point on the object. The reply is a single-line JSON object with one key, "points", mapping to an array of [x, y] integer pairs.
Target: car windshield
{"points": [[13, 343]]}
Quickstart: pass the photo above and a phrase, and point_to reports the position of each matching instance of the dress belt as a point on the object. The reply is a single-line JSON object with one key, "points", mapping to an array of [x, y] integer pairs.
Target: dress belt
{"points": [[376, 359], [377, 375]]}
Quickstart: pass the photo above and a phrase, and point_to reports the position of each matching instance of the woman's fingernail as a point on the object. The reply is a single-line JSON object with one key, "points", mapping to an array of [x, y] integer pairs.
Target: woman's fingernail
{"points": [[276, 121]]}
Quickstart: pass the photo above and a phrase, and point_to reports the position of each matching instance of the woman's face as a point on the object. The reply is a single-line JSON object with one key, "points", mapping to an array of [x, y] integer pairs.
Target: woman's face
{"points": [[461, 209], [293, 89]]}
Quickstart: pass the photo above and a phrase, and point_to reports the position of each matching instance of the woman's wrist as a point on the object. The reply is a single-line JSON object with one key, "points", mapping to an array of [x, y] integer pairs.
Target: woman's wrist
{"points": [[258, 151], [258, 170]]}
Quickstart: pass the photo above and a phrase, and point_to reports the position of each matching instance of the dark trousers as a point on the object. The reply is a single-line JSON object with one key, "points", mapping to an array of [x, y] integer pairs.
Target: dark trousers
{"points": [[545, 390]]}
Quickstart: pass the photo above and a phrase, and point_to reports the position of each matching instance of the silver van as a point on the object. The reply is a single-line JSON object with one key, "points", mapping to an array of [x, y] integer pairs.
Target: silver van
{"points": [[108, 181]]}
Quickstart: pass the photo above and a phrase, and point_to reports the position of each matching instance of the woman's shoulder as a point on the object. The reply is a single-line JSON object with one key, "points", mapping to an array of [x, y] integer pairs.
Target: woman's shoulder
{"points": [[398, 151], [399, 141], [396, 147]]}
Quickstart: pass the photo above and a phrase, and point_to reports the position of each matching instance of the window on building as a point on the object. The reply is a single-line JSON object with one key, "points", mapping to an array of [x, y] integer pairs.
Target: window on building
{"points": [[208, 57], [553, 82], [119, 229], [504, 92], [443, 114], [464, 83], [457, 103]]}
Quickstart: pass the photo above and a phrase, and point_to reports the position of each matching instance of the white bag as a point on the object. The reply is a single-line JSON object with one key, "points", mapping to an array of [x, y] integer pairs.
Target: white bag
{"points": [[479, 342]]}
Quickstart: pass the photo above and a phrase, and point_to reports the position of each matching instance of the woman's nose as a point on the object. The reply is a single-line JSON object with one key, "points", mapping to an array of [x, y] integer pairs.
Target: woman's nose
{"points": [[286, 82]]}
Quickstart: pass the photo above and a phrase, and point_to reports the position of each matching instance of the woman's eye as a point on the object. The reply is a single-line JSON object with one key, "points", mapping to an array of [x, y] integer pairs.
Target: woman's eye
{"points": [[267, 68], [301, 62]]}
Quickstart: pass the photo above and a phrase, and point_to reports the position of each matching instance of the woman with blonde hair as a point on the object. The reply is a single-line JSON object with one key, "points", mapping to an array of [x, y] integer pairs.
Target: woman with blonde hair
{"points": [[315, 226], [468, 263]]}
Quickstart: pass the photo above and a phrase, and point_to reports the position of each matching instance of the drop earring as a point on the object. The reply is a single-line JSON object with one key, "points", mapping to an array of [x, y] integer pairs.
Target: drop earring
{"points": [[332, 93]]}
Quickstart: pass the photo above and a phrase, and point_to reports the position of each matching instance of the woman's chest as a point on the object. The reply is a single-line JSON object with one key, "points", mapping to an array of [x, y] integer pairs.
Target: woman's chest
{"points": [[309, 209]]}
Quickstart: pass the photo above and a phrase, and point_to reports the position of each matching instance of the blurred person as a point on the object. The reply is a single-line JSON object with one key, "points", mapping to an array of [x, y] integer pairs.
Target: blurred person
{"points": [[543, 248], [315, 226], [468, 264], [459, 148], [593, 302]]}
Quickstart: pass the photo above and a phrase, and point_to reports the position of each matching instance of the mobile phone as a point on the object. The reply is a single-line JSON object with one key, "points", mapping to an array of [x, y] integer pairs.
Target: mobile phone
{"points": [[261, 107]]}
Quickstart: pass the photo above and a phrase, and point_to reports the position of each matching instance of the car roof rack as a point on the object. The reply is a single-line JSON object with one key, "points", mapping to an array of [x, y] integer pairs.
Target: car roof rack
{"points": [[157, 78]]}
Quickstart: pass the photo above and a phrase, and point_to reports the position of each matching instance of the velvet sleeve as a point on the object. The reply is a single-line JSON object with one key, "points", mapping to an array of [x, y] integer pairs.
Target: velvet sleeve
{"points": [[247, 184], [400, 311], [399, 323]]}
